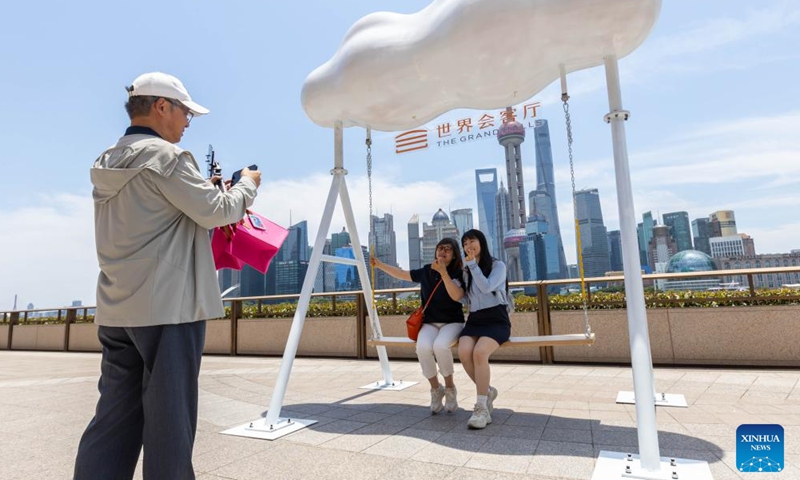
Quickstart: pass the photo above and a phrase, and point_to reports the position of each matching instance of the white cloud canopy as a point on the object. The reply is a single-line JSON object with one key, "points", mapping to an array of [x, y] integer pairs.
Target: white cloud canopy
{"points": [[395, 72]]}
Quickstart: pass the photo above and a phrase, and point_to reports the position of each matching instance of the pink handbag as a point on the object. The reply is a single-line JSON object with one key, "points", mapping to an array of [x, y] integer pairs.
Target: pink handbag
{"points": [[221, 248], [255, 242]]}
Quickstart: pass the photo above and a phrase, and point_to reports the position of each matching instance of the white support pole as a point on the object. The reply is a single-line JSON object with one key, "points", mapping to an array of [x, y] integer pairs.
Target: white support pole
{"points": [[641, 360], [293, 341], [365, 283], [647, 465], [273, 426]]}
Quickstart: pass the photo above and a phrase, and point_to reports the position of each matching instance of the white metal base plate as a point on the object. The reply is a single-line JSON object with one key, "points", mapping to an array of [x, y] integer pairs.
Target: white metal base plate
{"points": [[396, 385], [259, 429], [612, 466], [662, 399]]}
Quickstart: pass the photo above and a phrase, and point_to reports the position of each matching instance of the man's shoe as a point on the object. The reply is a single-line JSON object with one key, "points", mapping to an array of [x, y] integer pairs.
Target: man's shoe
{"points": [[451, 399], [480, 417], [437, 395]]}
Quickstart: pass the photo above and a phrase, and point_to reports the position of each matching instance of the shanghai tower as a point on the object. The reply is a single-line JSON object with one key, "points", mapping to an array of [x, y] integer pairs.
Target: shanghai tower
{"points": [[543, 199]]}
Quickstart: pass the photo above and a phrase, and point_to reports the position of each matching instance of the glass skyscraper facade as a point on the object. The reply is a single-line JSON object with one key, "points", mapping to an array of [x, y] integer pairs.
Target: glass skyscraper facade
{"points": [[382, 239], [462, 219], [678, 223], [544, 197], [615, 250], [594, 237], [486, 187]]}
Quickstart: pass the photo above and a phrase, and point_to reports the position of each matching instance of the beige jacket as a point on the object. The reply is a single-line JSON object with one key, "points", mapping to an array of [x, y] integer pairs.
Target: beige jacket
{"points": [[153, 210]]}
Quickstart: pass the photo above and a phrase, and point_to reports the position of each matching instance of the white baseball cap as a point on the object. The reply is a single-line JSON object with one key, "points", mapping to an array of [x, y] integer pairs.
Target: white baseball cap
{"points": [[157, 84]]}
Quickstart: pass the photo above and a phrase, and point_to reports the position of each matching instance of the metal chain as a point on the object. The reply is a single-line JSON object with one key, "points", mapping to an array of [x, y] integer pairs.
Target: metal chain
{"points": [[565, 99], [371, 225]]}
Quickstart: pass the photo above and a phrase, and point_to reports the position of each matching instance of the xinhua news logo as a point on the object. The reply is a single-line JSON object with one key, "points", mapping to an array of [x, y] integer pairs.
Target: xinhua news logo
{"points": [[759, 448]]}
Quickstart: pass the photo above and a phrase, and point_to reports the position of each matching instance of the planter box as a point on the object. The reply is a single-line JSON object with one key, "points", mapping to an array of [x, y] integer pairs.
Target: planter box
{"points": [[83, 338], [3, 337], [325, 336], [38, 337], [218, 337], [767, 335], [612, 343]]}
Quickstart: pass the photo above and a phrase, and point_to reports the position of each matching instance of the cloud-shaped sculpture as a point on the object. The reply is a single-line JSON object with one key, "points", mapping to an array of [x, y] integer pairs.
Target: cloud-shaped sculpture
{"points": [[395, 72]]}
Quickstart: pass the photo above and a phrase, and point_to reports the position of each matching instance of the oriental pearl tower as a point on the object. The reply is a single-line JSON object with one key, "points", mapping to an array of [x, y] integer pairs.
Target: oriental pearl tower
{"points": [[511, 134]]}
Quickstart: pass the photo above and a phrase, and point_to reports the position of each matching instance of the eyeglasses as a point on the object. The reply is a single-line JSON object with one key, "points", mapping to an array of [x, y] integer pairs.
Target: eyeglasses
{"points": [[445, 248], [183, 108]]}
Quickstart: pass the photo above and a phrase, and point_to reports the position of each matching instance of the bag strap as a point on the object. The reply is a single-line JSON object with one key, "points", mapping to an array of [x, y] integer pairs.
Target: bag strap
{"points": [[432, 292]]}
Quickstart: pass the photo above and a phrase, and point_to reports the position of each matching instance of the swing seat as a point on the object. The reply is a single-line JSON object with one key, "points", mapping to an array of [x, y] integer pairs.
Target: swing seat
{"points": [[535, 341]]}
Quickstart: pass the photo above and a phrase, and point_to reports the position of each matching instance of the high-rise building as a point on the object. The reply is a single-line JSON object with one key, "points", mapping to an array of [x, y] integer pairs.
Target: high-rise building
{"points": [[740, 245], [701, 231], [281, 279], [252, 283], [510, 135], [486, 188], [339, 240], [289, 276], [642, 249], [431, 234], [647, 224], [615, 250], [538, 254], [462, 218], [503, 219], [723, 223], [414, 244], [678, 223], [594, 237], [347, 275], [295, 247], [662, 247], [382, 238], [511, 245], [545, 182]]}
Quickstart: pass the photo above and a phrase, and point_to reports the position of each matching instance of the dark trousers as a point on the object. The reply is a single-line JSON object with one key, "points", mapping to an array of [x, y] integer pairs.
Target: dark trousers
{"points": [[148, 398]]}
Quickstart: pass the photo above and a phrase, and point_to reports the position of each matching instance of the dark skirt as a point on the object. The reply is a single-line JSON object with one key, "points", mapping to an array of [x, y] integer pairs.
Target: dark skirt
{"points": [[492, 322]]}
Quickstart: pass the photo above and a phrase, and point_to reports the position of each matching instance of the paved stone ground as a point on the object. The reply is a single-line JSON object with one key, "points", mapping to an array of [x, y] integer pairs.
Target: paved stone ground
{"points": [[549, 422]]}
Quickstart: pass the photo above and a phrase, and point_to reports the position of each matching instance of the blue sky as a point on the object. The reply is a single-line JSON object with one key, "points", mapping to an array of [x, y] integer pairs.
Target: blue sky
{"points": [[713, 94]]}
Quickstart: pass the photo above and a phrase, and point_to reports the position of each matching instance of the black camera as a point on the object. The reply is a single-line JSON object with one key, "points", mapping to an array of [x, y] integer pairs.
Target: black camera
{"points": [[238, 174]]}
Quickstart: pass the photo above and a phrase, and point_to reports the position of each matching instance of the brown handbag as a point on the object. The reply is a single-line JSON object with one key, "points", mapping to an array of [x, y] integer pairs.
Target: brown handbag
{"points": [[414, 322]]}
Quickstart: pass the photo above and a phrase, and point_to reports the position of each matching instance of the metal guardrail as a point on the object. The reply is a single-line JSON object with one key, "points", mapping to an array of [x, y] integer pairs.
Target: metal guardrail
{"points": [[70, 315]]}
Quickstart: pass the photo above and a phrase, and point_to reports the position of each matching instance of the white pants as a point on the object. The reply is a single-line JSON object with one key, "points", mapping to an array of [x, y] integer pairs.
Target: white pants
{"points": [[433, 346]]}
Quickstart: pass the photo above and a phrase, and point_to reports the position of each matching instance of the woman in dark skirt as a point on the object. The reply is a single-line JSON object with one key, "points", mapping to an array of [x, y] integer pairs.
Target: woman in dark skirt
{"points": [[488, 324]]}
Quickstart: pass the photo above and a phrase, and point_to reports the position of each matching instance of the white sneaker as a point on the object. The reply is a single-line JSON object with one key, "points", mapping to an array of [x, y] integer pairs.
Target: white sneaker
{"points": [[451, 399], [437, 395], [480, 417], [490, 399]]}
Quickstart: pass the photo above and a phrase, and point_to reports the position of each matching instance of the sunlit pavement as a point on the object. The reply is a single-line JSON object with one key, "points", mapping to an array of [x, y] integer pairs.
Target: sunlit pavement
{"points": [[549, 422]]}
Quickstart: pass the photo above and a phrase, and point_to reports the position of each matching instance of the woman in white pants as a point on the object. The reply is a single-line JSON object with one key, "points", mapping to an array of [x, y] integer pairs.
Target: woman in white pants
{"points": [[443, 318]]}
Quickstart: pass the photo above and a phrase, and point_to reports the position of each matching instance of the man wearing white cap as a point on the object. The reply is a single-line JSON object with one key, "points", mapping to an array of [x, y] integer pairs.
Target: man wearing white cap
{"points": [[157, 286]]}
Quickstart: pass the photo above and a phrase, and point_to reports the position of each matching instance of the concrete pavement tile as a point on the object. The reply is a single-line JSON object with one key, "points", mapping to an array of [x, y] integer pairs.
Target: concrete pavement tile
{"points": [[316, 434], [404, 444], [567, 435], [453, 449], [410, 470], [527, 420], [228, 449], [504, 454], [288, 461], [363, 438], [559, 459]]}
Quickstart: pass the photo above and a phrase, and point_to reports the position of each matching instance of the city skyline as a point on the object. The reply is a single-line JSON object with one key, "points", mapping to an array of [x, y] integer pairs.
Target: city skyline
{"points": [[700, 137]]}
